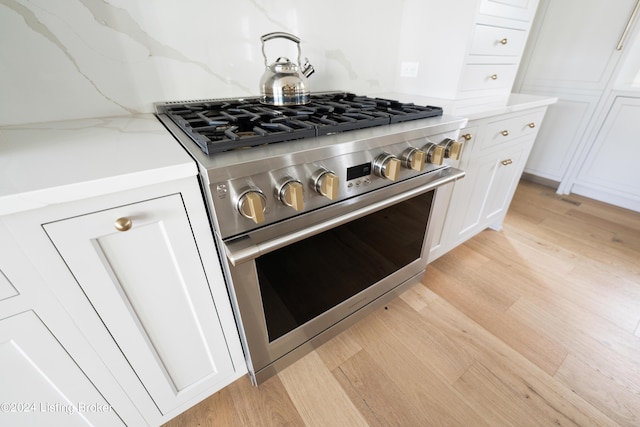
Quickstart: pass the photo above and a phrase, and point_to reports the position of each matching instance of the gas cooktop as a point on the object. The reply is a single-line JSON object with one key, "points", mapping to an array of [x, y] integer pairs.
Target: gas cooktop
{"points": [[219, 125]]}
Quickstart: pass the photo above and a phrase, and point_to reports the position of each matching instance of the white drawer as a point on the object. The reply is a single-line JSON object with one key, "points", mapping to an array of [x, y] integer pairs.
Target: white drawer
{"points": [[497, 41], [521, 10], [488, 76], [505, 130]]}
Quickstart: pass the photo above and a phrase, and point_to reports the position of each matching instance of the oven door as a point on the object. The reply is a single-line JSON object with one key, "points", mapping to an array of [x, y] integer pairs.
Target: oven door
{"points": [[300, 282]]}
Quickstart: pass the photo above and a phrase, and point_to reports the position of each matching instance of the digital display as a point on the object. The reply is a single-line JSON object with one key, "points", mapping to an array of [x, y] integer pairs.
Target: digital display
{"points": [[358, 171]]}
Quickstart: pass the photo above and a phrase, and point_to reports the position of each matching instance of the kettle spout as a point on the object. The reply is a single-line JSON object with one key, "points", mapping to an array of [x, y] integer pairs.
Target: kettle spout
{"points": [[307, 69]]}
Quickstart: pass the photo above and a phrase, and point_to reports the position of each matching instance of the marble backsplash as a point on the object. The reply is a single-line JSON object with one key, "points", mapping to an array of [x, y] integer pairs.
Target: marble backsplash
{"points": [[66, 59]]}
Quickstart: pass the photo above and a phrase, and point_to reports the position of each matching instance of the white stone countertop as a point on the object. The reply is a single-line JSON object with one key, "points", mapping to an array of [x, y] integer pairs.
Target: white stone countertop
{"points": [[476, 109], [56, 162]]}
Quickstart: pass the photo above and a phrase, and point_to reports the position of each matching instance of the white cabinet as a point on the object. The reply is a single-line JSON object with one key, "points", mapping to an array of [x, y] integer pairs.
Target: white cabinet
{"points": [[610, 171], [497, 42], [50, 375], [41, 384], [150, 300], [575, 54], [578, 60], [469, 50], [493, 158], [148, 287]]}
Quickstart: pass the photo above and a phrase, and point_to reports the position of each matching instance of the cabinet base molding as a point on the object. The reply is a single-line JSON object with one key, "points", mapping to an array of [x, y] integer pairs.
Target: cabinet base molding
{"points": [[631, 202], [540, 180]]}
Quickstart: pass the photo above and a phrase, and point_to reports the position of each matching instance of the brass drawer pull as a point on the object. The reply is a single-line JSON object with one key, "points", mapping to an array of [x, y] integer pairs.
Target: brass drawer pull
{"points": [[532, 125], [123, 224], [505, 133], [467, 136], [507, 162], [503, 41], [494, 77]]}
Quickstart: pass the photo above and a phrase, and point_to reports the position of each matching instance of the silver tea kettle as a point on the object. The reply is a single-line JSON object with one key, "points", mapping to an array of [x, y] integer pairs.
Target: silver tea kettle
{"points": [[283, 83]]}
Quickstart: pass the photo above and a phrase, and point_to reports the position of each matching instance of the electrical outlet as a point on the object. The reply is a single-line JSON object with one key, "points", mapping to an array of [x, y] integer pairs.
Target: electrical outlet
{"points": [[409, 69]]}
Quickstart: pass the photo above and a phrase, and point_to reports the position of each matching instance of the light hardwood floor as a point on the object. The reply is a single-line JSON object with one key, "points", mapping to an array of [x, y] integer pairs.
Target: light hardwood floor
{"points": [[536, 325]]}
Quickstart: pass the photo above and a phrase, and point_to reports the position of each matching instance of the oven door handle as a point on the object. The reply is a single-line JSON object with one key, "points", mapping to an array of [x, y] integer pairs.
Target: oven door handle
{"points": [[242, 250]]}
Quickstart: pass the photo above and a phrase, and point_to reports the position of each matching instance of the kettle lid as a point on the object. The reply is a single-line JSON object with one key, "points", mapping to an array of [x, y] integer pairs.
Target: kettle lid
{"points": [[283, 65]]}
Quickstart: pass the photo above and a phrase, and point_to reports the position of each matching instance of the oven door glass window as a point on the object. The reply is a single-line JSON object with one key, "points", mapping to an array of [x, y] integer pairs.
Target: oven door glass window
{"points": [[307, 278]]}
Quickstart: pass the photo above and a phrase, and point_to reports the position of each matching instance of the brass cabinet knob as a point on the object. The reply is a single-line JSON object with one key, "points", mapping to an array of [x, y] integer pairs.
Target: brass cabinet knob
{"points": [[505, 133], [494, 77], [503, 41], [467, 136], [326, 183], [252, 205], [507, 162], [291, 194], [532, 125], [123, 224]]}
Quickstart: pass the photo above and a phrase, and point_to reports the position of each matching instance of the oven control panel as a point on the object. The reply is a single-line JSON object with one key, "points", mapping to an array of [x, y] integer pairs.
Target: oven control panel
{"points": [[243, 204]]}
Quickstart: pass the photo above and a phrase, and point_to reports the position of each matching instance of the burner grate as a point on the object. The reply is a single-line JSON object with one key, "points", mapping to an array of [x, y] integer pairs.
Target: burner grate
{"points": [[223, 125]]}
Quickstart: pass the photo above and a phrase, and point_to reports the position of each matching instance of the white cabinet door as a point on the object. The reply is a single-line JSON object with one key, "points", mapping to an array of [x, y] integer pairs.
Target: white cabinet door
{"points": [[482, 198], [575, 45], [40, 384], [560, 136], [505, 171], [610, 172], [148, 286], [494, 157]]}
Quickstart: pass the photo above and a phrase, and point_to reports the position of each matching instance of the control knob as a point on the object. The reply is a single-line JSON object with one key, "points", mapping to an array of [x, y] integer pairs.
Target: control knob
{"points": [[325, 183], [435, 153], [452, 148], [289, 192], [412, 158], [252, 204], [387, 166]]}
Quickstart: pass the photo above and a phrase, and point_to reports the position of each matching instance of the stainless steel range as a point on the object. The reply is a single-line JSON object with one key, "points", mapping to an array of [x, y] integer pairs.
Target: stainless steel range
{"points": [[322, 212]]}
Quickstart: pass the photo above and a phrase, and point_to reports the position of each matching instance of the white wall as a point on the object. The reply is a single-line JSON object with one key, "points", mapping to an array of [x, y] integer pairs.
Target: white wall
{"points": [[63, 59]]}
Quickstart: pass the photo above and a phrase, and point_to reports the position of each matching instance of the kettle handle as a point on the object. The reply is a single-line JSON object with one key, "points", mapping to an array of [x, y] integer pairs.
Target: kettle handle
{"points": [[276, 35]]}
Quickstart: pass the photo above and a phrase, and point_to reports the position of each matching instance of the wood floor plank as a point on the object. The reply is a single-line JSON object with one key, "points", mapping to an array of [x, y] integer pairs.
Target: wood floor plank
{"points": [[604, 347], [512, 367], [507, 404], [432, 400], [216, 410], [338, 350], [418, 297], [618, 297], [375, 394], [532, 255], [612, 295], [554, 233], [425, 342], [541, 350], [608, 396], [318, 396], [265, 406]]}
